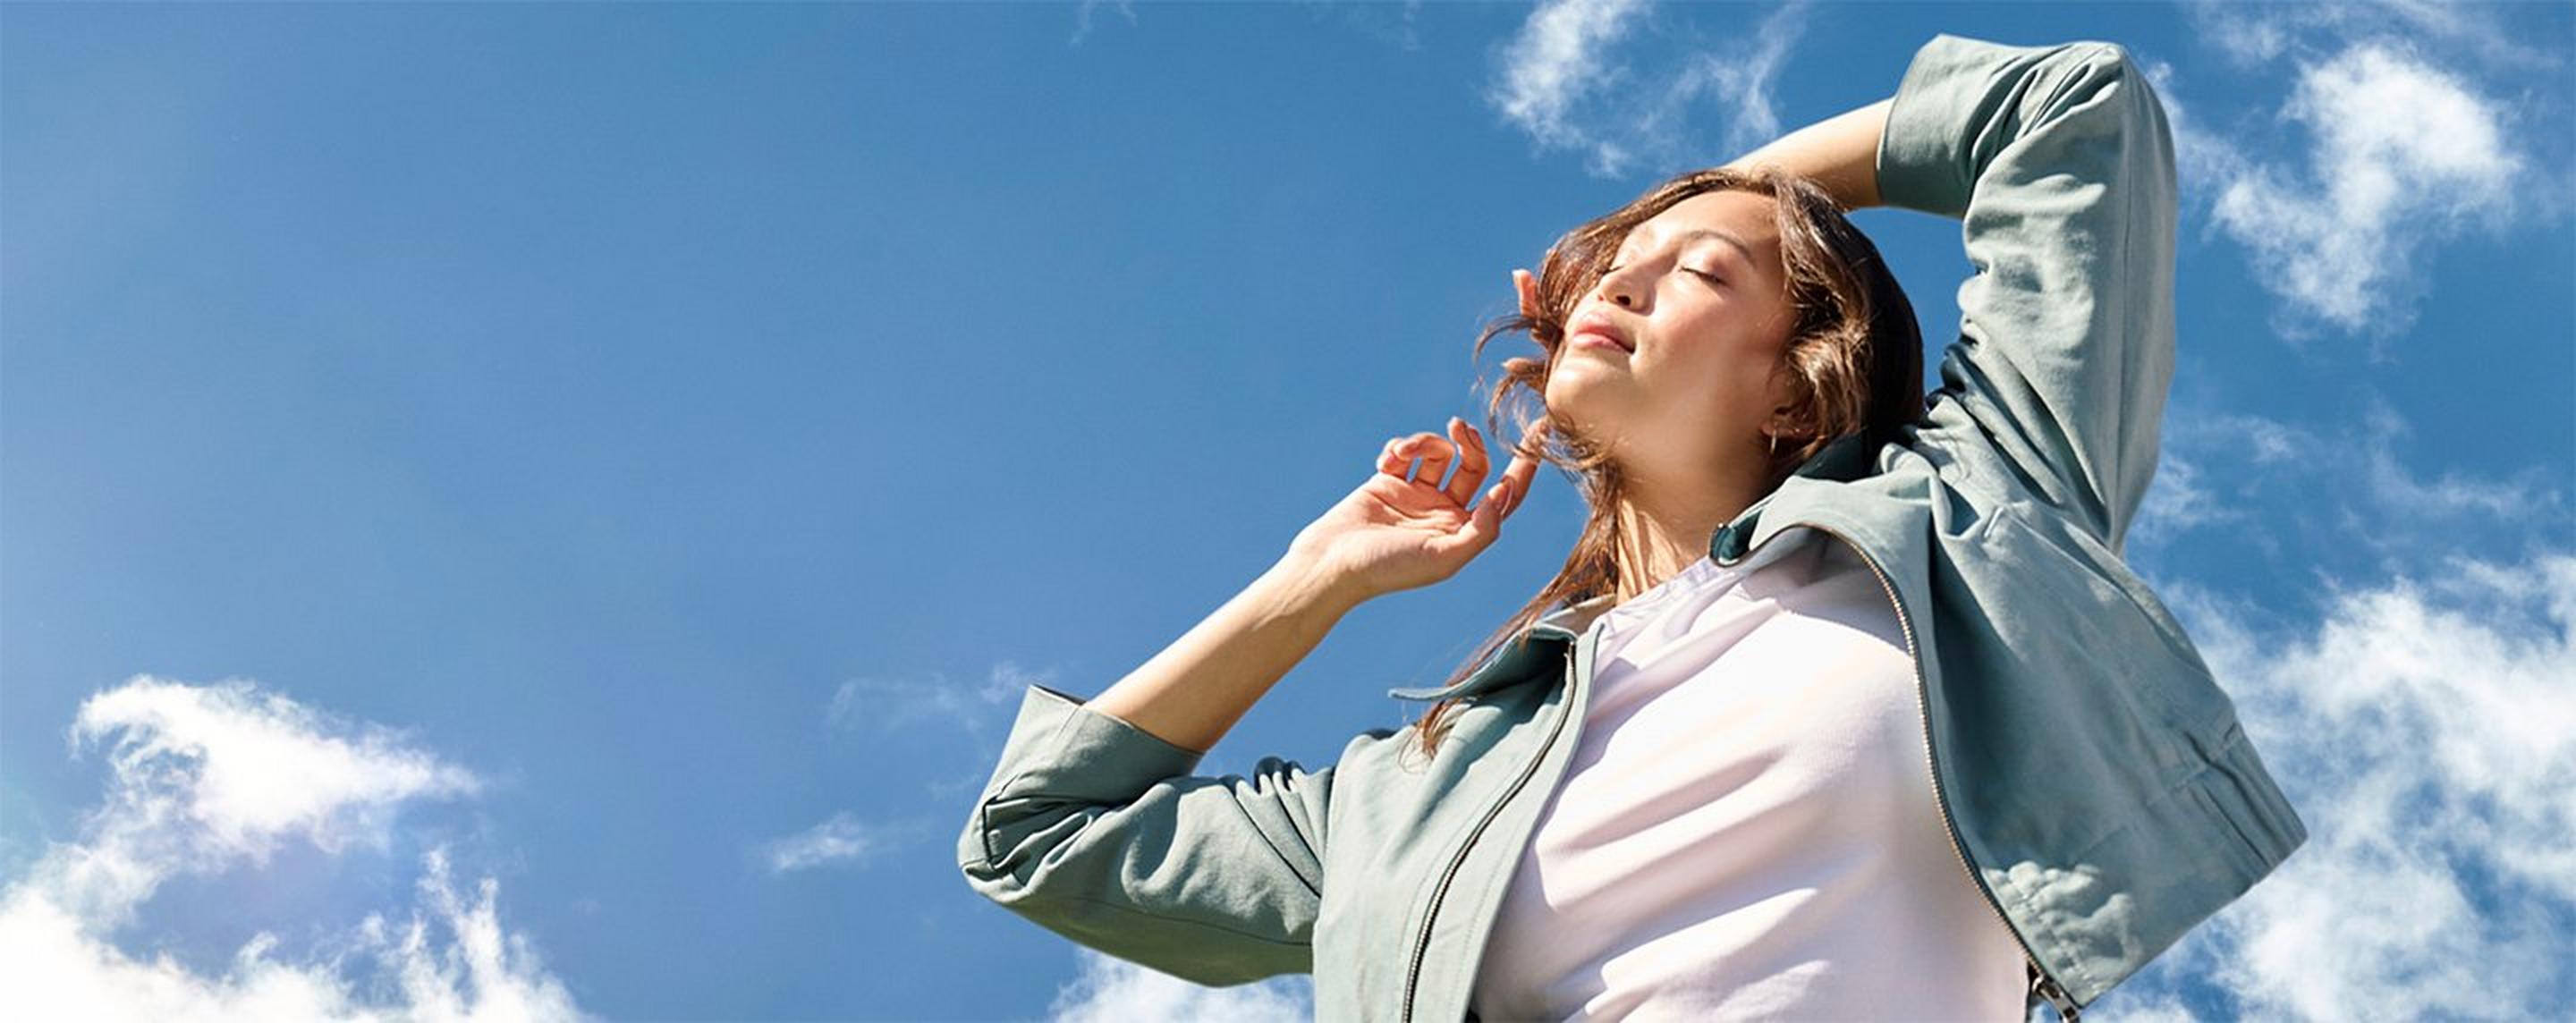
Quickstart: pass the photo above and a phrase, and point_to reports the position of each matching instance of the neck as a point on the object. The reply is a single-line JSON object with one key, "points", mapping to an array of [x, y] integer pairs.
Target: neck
{"points": [[1672, 497], [1666, 529]]}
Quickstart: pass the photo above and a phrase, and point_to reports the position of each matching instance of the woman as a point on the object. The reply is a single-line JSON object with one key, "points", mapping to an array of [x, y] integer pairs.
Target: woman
{"points": [[1844, 704]]}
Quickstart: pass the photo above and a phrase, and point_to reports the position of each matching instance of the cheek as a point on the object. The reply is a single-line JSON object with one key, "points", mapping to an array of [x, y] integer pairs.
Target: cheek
{"points": [[1731, 372]]}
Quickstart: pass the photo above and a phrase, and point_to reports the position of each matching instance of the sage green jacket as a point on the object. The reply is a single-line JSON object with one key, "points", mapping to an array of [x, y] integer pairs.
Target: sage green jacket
{"points": [[2095, 779]]}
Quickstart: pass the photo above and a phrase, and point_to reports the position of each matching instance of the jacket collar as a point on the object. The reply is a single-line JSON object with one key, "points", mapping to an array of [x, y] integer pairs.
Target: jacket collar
{"points": [[1846, 458]]}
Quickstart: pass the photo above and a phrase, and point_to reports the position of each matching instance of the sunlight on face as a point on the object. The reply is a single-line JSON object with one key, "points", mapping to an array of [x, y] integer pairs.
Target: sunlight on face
{"points": [[1675, 355]]}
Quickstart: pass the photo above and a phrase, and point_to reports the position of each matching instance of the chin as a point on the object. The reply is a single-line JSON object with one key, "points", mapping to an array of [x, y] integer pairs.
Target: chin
{"points": [[1580, 408], [1577, 388]]}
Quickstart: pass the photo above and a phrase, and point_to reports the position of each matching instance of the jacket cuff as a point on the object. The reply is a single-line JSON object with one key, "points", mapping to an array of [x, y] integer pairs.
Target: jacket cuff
{"points": [[1060, 748], [1928, 155]]}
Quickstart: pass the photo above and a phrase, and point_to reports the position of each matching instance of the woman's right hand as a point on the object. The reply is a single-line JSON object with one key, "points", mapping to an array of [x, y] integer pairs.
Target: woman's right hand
{"points": [[1405, 528]]}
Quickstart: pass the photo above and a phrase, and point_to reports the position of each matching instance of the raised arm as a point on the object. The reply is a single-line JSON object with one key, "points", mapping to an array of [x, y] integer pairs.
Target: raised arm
{"points": [[1194, 691], [1402, 529], [2059, 164], [1839, 153], [1093, 825]]}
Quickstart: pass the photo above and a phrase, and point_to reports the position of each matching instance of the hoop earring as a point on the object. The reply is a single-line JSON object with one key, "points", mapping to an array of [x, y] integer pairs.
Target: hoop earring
{"points": [[1775, 447]]}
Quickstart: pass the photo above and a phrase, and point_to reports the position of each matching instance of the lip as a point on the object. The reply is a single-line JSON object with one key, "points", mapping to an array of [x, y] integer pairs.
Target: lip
{"points": [[1597, 329]]}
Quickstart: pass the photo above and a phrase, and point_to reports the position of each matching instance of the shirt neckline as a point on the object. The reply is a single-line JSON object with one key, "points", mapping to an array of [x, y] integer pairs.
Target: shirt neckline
{"points": [[1691, 575]]}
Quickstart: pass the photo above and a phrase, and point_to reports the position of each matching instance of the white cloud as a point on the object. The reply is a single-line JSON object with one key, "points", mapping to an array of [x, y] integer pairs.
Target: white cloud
{"points": [[1110, 990], [842, 839], [2424, 724], [1082, 16], [2177, 502], [1742, 82], [2426, 730], [2221, 469], [2403, 153], [1570, 80], [2413, 127], [932, 710], [891, 704], [2258, 35], [1556, 62], [1392, 24], [205, 779], [2204, 160]]}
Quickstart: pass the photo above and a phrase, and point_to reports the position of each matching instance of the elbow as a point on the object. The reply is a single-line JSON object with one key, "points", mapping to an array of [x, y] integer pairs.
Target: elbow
{"points": [[2099, 58], [2102, 65], [984, 855], [2106, 54], [1010, 845], [2103, 84], [974, 853]]}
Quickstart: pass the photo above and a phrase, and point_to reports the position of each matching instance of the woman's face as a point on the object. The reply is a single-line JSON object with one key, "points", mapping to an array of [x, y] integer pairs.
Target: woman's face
{"points": [[1679, 344]]}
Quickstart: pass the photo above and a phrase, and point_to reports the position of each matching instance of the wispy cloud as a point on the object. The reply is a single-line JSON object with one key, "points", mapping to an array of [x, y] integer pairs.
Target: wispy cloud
{"points": [[2179, 501], [1569, 79], [1082, 16], [1555, 63], [2350, 487], [1740, 81], [2426, 731], [2423, 720], [1394, 24], [1110, 990], [2407, 137], [880, 705], [2260, 35], [894, 713], [840, 840], [206, 779], [2403, 154]]}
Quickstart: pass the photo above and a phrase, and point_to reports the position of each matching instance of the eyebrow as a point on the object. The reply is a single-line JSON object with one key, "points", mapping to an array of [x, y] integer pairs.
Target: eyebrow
{"points": [[1728, 237]]}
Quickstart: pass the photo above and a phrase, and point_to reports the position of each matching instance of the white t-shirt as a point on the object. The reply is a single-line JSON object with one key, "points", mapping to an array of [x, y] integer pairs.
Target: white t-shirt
{"points": [[1747, 828]]}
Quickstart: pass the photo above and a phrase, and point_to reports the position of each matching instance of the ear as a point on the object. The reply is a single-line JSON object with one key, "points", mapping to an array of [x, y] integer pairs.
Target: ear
{"points": [[1785, 424], [1792, 406]]}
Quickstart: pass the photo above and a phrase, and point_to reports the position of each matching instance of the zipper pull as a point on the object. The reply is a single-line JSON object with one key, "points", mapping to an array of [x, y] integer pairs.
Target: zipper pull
{"points": [[2046, 990]]}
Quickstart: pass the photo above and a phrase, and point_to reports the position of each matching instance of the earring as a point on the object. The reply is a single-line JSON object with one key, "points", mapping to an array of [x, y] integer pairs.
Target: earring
{"points": [[1775, 447]]}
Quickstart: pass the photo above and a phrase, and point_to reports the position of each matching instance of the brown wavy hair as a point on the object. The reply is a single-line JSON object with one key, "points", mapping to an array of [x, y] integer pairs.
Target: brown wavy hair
{"points": [[1854, 355]]}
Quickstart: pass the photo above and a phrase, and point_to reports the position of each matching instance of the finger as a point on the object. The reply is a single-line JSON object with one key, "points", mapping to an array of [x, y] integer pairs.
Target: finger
{"points": [[1472, 462], [1389, 461], [1436, 456], [1396, 459], [1527, 286], [1519, 475], [1484, 525]]}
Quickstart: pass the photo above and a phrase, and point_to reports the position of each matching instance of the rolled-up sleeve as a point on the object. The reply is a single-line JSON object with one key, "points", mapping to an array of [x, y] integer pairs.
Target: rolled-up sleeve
{"points": [[1098, 831], [2059, 164]]}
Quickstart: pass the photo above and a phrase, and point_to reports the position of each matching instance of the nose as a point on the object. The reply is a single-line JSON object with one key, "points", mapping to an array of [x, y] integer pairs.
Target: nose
{"points": [[1619, 288]]}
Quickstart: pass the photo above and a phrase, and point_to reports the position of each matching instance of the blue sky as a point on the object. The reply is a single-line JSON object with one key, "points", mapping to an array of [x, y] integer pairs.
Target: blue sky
{"points": [[588, 482]]}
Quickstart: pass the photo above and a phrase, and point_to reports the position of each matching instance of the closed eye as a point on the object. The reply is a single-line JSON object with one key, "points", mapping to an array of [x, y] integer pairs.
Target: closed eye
{"points": [[1707, 276]]}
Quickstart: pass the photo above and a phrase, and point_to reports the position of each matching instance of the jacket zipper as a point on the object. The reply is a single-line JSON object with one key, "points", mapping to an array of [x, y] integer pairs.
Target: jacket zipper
{"points": [[1440, 892], [2041, 983]]}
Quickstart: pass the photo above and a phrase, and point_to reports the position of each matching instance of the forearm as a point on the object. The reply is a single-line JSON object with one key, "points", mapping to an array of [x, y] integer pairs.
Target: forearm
{"points": [[1839, 154], [1190, 694]]}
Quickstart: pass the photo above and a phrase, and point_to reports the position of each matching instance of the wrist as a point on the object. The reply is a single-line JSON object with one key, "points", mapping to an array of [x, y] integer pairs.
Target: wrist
{"points": [[1299, 584]]}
